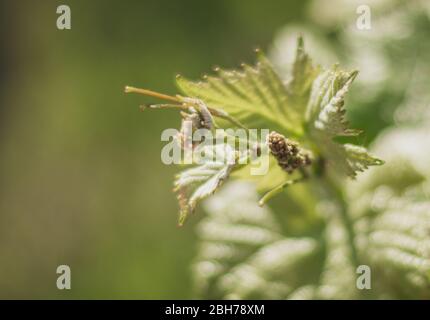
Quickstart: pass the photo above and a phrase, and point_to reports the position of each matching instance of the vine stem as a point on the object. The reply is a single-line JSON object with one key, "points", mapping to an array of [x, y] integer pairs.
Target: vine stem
{"points": [[183, 103], [339, 196], [270, 194], [150, 93]]}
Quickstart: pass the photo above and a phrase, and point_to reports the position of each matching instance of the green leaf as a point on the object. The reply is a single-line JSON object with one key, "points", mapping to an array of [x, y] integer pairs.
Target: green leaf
{"points": [[358, 159], [348, 159], [217, 165], [255, 96], [325, 116], [301, 77], [325, 111]]}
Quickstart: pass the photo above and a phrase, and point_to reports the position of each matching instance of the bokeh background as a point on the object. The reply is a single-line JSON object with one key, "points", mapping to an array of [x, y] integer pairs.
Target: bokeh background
{"points": [[81, 181]]}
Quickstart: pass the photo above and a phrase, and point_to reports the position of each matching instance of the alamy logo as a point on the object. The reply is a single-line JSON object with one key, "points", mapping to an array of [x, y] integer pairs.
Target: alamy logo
{"points": [[192, 145], [364, 280], [364, 20], [64, 280], [64, 21]]}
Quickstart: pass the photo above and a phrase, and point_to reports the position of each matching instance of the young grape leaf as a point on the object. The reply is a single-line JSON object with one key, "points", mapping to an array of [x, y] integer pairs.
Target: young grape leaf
{"points": [[358, 159], [256, 96], [347, 159], [325, 110], [219, 160], [300, 78], [325, 115]]}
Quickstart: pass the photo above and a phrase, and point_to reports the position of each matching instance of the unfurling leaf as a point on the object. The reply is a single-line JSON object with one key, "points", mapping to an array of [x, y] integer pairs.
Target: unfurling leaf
{"points": [[326, 105], [358, 159], [325, 115], [301, 77], [348, 159], [195, 184]]}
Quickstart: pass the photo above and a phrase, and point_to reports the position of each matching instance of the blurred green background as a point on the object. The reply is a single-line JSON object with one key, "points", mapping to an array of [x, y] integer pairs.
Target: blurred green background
{"points": [[82, 183]]}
